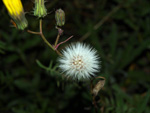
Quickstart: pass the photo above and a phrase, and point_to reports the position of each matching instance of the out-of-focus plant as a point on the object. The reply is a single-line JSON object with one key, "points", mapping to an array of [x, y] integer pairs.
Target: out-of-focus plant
{"points": [[77, 61], [118, 30]]}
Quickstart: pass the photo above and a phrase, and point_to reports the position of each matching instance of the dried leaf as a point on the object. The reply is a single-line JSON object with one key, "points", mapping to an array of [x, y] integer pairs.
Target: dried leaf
{"points": [[98, 87]]}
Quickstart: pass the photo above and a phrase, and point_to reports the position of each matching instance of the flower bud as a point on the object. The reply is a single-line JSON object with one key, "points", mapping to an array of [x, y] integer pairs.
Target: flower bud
{"points": [[16, 11], [60, 17], [40, 10]]}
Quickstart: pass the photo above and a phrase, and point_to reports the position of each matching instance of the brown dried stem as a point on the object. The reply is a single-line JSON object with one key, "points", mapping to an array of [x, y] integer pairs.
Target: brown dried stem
{"points": [[95, 89], [93, 98], [101, 22]]}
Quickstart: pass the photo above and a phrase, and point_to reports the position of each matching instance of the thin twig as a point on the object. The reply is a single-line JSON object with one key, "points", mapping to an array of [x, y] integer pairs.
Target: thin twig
{"points": [[63, 42], [101, 22], [106, 17], [58, 53], [45, 40], [41, 34], [95, 105], [93, 97], [32, 32], [57, 39], [43, 37], [41, 26]]}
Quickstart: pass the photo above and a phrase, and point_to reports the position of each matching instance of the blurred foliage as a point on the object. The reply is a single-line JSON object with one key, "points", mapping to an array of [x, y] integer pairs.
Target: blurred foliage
{"points": [[31, 83]]}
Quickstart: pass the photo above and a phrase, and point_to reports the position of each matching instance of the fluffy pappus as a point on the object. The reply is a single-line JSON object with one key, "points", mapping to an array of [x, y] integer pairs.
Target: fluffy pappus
{"points": [[79, 61]]}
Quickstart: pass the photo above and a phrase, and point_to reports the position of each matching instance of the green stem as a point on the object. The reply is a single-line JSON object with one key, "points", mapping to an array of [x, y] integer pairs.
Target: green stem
{"points": [[57, 39], [32, 32], [43, 37]]}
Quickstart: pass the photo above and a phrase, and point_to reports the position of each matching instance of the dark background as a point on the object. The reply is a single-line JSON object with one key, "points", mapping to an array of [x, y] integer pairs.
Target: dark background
{"points": [[118, 29]]}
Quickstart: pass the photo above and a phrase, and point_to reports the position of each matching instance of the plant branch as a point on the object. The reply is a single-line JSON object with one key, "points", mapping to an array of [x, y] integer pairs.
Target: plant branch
{"points": [[32, 32], [101, 22], [57, 39], [62, 42], [93, 97], [43, 37]]}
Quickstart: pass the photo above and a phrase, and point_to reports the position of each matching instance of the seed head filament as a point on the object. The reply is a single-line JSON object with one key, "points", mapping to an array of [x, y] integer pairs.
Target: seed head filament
{"points": [[77, 63]]}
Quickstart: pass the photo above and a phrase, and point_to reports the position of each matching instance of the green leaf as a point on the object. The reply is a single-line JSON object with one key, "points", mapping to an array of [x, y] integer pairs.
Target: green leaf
{"points": [[113, 39], [131, 53], [41, 65], [142, 105]]}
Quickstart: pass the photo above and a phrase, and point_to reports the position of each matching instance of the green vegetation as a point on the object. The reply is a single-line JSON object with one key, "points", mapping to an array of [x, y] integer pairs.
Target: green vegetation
{"points": [[119, 29]]}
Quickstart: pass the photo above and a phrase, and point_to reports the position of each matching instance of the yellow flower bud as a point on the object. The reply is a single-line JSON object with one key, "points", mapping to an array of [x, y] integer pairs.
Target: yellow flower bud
{"points": [[16, 11], [40, 10]]}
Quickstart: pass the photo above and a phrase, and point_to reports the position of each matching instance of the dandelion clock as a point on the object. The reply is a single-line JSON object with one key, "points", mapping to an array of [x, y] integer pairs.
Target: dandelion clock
{"points": [[79, 61]]}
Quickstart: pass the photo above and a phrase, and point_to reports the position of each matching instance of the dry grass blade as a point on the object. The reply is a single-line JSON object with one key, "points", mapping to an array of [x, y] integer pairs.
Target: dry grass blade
{"points": [[98, 86]]}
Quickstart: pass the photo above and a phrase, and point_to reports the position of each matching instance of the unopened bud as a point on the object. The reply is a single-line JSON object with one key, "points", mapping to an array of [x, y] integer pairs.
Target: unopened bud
{"points": [[60, 17], [15, 10], [40, 10]]}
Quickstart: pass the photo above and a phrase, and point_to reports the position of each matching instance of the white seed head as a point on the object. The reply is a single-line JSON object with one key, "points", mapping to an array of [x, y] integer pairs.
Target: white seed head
{"points": [[79, 61]]}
